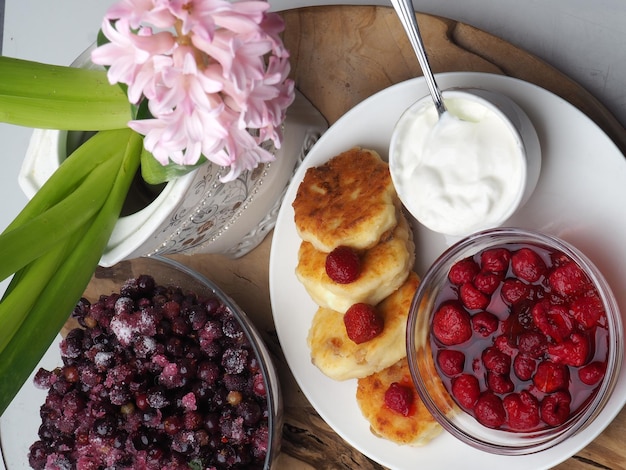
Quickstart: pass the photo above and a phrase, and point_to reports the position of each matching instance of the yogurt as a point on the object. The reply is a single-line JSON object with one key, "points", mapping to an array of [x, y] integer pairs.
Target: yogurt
{"points": [[460, 173]]}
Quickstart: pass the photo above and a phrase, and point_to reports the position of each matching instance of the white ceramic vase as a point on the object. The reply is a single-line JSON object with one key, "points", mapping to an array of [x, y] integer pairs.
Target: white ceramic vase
{"points": [[196, 212]]}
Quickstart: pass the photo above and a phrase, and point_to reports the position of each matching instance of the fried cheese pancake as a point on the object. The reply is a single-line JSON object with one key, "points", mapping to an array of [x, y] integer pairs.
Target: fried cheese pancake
{"points": [[384, 268], [350, 200], [338, 357], [416, 429]]}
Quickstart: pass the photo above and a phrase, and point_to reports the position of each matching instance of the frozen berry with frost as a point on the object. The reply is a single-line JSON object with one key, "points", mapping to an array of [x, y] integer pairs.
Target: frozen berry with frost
{"points": [[234, 360], [208, 371], [250, 411], [259, 441], [231, 327], [43, 379], [258, 385]]}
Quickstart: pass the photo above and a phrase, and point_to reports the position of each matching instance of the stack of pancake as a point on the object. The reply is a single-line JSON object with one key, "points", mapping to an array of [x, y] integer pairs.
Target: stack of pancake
{"points": [[351, 201]]}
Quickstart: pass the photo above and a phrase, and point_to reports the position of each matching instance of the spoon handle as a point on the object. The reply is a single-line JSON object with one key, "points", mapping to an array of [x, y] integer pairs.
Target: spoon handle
{"points": [[406, 14]]}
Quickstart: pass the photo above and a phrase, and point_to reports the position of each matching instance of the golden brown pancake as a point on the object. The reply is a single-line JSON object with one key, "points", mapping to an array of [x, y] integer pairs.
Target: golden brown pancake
{"points": [[416, 429], [384, 268], [338, 357], [350, 200]]}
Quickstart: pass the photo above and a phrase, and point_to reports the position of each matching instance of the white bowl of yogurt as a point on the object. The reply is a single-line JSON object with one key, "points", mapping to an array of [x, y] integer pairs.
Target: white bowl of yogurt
{"points": [[469, 170]]}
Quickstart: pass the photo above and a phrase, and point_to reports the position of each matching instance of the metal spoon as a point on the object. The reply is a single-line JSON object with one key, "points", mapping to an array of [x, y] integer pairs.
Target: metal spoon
{"points": [[406, 13]]}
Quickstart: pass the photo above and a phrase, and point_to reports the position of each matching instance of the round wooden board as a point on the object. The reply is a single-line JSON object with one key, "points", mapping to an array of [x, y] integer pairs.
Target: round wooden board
{"points": [[341, 55]]}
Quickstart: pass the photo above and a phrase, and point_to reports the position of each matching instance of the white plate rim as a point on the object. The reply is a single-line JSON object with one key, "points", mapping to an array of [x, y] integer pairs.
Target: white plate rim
{"points": [[543, 107]]}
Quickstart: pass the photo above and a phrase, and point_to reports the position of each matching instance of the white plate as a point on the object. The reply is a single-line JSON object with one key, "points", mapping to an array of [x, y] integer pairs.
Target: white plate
{"points": [[20, 421], [579, 197]]}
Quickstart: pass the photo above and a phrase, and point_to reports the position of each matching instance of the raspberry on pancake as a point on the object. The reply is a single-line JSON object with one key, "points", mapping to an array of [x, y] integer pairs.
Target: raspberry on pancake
{"points": [[338, 357], [383, 269], [349, 200], [417, 428]]}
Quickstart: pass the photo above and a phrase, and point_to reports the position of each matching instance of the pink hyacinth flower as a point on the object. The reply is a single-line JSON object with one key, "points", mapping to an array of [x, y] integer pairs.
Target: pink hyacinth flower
{"points": [[215, 76]]}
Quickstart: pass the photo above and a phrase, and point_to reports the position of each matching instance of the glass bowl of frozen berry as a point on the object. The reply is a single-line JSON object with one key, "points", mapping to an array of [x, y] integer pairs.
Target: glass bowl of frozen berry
{"points": [[163, 370], [514, 341]]}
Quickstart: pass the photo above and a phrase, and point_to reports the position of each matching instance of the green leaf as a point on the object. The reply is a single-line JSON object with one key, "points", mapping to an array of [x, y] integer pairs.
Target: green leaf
{"points": [[39, 230], [28, 241], [71, 173], [154, 173], [100, 41], [101, 38], [48, 96], [25, 288], [143, 110], [55, 303]]}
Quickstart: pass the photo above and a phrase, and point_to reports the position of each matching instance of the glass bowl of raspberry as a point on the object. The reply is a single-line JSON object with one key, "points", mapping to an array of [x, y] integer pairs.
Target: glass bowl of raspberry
{"points": [[514, 341], [163, 370]]}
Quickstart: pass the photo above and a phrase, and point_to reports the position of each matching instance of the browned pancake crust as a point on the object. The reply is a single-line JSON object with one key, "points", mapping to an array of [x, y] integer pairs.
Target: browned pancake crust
{"points": [[384, 268], [350, 200], [416, 429]]}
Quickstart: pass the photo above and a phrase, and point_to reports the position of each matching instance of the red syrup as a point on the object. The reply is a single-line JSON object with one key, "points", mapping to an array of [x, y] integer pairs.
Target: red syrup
{"points": [[551, 332]]}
